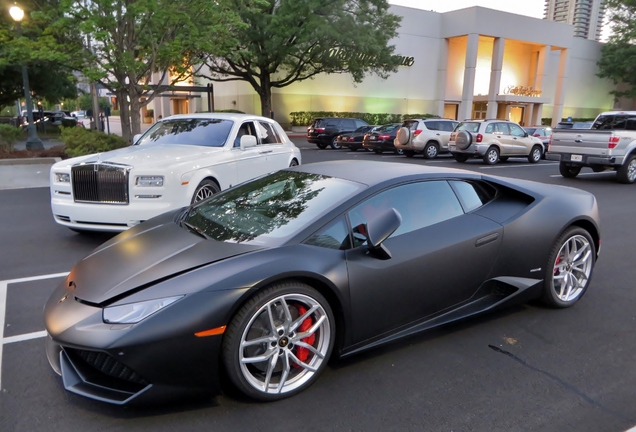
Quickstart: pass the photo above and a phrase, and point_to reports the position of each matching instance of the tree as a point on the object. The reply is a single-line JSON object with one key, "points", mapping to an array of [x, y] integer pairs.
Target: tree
{"points": [[293, 40], [43, 48], [127, 41], [618, 55]]}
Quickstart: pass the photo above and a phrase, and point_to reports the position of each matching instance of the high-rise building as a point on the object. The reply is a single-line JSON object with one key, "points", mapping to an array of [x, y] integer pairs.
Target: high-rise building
{"points": [[585, 15]]}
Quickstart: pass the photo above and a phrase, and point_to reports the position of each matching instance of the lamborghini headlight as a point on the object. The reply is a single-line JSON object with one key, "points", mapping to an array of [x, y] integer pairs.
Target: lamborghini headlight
{"points": [[132, 313]]}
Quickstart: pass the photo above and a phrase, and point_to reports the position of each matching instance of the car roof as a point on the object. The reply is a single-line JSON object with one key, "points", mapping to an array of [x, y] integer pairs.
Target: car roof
{"points": [[375, 172], [217, 115]]}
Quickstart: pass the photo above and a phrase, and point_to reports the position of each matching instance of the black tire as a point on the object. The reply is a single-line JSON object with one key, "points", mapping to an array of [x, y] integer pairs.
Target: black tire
{"points": [[627, 172], [398, 151], [569, 171], [409, 153], [334, 144], [431, 150], [492, 156], [535, 154], [293, 163], [565, 264], [321, 146], [252, 321], [463, 140], [205, 190], [503, 158], [460, 157]]}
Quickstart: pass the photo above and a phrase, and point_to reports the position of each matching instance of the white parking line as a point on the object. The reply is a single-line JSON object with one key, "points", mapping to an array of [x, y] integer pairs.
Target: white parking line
{"points": [[3, 311], [525, 165]]}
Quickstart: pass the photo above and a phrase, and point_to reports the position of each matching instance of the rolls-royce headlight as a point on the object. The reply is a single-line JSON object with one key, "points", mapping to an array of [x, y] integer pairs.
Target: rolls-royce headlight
{"points": [[132, 313], [62, 178], [145, 181]]}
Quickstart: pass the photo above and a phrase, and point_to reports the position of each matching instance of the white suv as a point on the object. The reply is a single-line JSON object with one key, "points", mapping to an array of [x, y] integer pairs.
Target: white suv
{"points": [[428, 137], [493, 141]]}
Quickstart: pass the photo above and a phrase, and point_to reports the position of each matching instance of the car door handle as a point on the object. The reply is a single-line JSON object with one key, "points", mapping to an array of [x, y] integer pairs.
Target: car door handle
{"points": [[488, 239], [437, 134], [266, 151]]}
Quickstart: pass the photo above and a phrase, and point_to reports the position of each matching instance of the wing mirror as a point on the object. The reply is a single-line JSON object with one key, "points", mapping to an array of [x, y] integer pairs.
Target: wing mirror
{"points": [[379, 228], [248, 141]]}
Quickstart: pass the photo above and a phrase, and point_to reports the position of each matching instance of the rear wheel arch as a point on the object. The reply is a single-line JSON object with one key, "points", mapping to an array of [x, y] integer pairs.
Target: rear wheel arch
{"points": [[591, 229]]}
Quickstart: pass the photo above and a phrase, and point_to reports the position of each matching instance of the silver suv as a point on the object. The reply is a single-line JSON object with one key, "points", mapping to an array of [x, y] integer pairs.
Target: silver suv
{"points": [[493, 141], [428, 137]]}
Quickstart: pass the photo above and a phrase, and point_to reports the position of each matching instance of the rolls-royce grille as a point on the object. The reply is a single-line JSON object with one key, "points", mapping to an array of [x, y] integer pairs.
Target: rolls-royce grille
{"points": [[100, 183], [107, 365]]}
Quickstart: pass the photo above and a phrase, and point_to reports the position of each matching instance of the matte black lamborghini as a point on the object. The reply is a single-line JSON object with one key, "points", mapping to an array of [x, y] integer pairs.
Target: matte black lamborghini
{"points": [[264, 282]]}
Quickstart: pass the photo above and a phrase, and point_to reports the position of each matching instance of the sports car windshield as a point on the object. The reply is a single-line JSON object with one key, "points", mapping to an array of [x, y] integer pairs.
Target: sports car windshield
{"points": [[195, 131], [270, 209]]}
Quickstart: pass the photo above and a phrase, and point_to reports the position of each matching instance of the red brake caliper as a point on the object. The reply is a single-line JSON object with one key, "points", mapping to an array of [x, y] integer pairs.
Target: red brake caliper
{"points": [[301, 352], [556, 270]]}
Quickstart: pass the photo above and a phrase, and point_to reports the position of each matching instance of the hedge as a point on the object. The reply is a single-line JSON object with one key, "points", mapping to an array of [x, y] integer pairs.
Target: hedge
{"points": [[79, 141], [9, 135], [305, 118]]}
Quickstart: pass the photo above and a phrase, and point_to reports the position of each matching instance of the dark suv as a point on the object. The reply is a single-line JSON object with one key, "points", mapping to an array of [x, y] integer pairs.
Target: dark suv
{"points": [[325, 131]]}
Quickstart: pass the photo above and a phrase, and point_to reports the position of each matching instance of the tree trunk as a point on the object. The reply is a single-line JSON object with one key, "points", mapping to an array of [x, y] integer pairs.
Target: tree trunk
{"points": [[266, 97], [135, 115], [124, 115]]}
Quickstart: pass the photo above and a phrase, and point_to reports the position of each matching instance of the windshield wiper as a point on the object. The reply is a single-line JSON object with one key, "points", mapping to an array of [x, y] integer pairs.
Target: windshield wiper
{"points": [[195, 229]]}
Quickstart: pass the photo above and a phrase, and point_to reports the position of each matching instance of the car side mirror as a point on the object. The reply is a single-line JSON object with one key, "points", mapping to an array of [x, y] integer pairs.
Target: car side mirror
{"points": [[248, 141], [136, 138], [379, 228], [525, 134]]}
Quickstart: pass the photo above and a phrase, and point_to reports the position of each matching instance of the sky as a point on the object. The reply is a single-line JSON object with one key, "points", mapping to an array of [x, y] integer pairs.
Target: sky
{"points": [[533, 8]]}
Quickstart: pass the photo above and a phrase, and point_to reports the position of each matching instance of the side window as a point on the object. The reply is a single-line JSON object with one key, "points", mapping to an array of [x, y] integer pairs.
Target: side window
{"points": [[360, 123], [447, 126], [348, 124], [472, 195], [432, 125], [268, 134], [333, 236], [516, 130], [503, 128], [490, 128], [246, 128], [332, 122], [420, 205]]}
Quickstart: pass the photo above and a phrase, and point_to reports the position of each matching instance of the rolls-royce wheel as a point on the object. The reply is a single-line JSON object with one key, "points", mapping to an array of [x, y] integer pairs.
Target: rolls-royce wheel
{"points": [[205, 190], [279, 342]]}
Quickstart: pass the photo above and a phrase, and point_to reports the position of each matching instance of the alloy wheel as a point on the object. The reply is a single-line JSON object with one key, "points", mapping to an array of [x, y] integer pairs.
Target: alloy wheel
{"points": [[572, 268]]}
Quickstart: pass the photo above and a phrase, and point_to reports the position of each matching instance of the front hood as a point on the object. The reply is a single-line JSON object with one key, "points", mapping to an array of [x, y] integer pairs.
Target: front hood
{"points": [[159, 155], [131, 262]]}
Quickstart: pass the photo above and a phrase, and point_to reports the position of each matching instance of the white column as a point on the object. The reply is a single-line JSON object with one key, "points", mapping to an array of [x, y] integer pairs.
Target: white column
{"points": [[542, 65], [466, 107], [559, 96], [495, 76], [528, 115], [442, 71], [537, 113]]}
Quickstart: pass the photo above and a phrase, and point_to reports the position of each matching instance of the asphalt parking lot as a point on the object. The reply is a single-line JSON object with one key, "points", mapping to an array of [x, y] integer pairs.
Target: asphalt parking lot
{"points": [[526, 368]]}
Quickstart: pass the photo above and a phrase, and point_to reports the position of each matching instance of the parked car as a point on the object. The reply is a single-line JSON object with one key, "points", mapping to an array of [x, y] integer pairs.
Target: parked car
{"points": [[541, 132], [179, 160], [382, 139], [353, 140], [608, 145], [493, 141], [79, 114], [324, 131], [266, 281], [428, 137]]}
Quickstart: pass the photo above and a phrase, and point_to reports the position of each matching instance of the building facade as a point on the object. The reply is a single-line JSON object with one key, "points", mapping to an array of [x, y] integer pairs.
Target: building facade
{"points": [[469, 63], [585, 15]]}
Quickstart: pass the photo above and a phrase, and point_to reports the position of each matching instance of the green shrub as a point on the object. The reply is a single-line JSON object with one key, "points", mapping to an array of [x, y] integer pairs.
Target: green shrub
{"points": [[234, 111], [304, 118], [9, 135], [80, 141]]}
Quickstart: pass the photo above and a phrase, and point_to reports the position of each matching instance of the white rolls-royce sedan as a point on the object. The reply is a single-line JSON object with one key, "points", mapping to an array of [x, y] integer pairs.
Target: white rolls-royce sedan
{"points": [[180, 160]]}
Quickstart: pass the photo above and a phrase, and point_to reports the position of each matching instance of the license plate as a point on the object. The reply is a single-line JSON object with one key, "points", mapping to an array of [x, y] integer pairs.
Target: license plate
{"points": [[576, 158], [372, 138]]}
